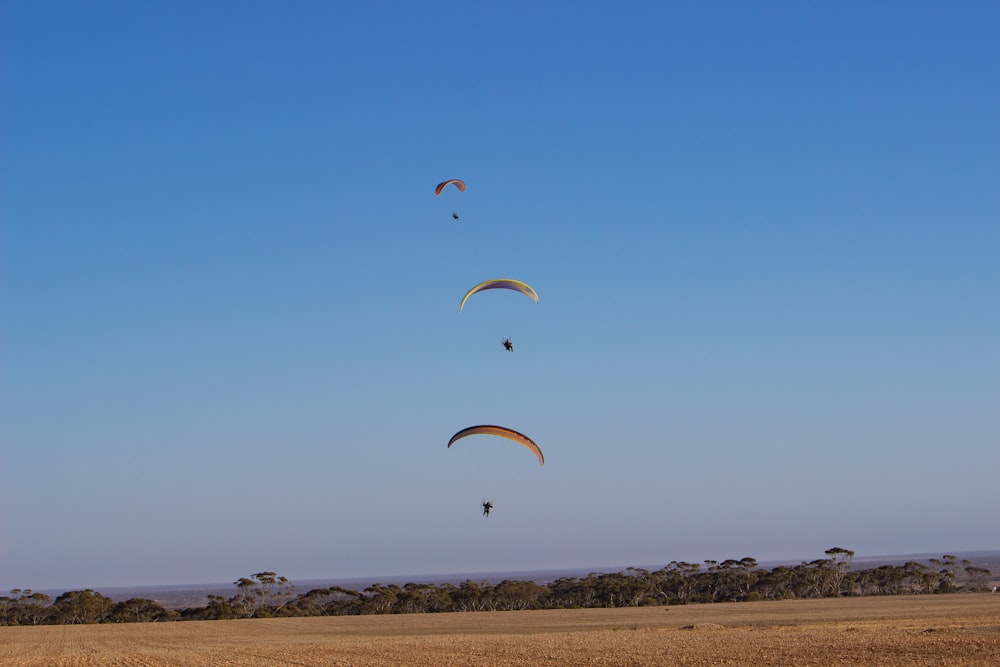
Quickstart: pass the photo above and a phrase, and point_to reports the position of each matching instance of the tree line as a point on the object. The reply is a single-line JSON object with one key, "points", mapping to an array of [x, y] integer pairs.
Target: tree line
{"points": [[266, 594]]}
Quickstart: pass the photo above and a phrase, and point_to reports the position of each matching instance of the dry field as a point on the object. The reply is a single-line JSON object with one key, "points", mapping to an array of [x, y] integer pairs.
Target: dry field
{"points": [[913, 630]]}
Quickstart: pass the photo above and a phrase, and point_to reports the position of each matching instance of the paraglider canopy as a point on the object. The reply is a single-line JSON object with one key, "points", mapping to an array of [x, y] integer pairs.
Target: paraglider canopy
{"points": [[510, 434], [501, 283], [453, 181]]}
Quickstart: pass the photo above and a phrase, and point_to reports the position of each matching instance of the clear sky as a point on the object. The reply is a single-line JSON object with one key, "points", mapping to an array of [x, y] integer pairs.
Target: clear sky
{"points": [[765, 237]]}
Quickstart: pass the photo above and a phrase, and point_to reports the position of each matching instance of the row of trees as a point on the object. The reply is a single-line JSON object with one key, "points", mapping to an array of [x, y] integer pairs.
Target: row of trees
{"points": [[266, 594]]}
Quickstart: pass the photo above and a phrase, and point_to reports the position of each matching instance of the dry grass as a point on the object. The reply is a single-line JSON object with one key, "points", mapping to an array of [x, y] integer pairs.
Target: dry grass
{"points": [[917, 630]]}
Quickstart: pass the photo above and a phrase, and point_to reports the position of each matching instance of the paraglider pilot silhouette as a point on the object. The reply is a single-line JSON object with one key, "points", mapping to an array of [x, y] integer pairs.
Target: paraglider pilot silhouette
{"points": [[508, 344], [487, 507]]}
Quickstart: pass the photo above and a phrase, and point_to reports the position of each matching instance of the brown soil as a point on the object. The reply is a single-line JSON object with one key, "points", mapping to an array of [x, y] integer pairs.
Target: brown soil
{"points": [[912, 630]]}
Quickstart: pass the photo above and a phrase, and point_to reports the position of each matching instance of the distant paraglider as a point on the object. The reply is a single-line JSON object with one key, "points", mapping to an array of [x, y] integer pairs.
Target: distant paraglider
{"points": [[453, 181], [501, 283], [508, 344], [487, 507], [502, 432]]}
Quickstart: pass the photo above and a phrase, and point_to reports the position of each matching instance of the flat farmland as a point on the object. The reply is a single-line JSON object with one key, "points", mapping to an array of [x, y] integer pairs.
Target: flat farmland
{"points": [[911, 630]]}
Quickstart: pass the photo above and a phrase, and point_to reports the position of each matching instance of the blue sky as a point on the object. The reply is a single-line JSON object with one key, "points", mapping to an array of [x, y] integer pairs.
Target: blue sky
{"points": [[766, 241]]}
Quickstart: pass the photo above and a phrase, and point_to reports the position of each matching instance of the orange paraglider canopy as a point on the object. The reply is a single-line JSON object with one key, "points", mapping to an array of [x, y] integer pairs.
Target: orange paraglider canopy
{"points": [[453, 181], [510, 434]]}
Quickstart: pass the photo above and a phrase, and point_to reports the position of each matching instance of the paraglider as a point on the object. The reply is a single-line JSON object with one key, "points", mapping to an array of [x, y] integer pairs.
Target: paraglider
{"points": [[452, 181], [487, 507], [508, 344], [501, 283], [502, 432]]}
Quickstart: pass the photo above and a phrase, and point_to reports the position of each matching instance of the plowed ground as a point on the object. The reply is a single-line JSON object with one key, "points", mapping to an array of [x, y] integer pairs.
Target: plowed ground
{"points": [[912, 630]]}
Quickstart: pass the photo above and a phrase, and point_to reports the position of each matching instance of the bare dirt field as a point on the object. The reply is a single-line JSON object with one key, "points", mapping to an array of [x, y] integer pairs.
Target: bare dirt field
{"points": [[911, 630]]}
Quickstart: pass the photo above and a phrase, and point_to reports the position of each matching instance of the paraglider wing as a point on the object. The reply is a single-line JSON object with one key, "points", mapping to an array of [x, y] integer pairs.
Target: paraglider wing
{"points": [[452, 181], [501, 283], [502, 432]]}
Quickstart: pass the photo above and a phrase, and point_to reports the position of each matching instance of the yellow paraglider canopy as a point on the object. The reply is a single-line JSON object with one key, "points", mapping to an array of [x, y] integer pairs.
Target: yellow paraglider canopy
{"points": [[501, 283]]}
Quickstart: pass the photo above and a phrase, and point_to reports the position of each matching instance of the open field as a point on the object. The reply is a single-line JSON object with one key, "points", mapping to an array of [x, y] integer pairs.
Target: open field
{"points": [[905, 630]]}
